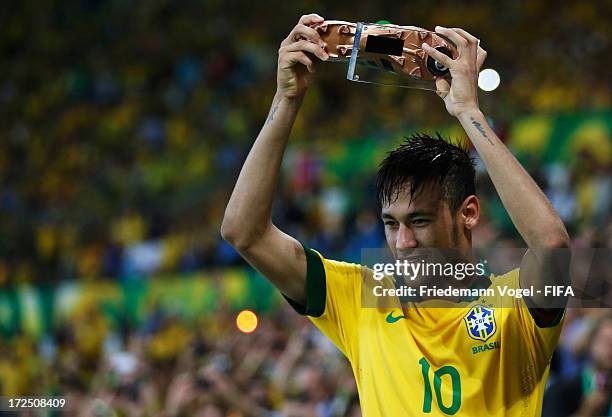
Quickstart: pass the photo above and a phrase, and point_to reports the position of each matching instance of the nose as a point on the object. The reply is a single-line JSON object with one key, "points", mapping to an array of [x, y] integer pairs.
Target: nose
{"points": [[405, 238]]}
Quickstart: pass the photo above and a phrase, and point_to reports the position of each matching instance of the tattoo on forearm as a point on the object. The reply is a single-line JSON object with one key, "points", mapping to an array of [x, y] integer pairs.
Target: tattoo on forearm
{"points": [[272, 112], [479, 127]]}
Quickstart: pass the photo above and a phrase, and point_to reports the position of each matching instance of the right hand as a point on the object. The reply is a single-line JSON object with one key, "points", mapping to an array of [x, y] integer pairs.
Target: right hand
{"points": [[298, 56], [461, 94]]}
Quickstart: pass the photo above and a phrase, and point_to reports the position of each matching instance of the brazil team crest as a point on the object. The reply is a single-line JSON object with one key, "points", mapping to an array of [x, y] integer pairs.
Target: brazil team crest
{"points": [[480, 323]]}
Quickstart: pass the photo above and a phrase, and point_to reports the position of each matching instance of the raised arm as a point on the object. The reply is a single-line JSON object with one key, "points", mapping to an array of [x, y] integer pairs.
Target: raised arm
{"points": [[531, 212], [247, 224]]}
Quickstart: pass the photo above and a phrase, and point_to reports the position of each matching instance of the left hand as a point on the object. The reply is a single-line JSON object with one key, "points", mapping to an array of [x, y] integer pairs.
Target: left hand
{"points": [[461, 94]]}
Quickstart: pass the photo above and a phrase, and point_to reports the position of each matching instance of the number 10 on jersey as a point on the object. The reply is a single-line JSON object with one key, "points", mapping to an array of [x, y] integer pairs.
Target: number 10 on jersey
{"points": [[437, 383]]}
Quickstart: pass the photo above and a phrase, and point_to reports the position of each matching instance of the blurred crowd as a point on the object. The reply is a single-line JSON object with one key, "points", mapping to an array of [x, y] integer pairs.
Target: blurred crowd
{"points": [[123, 126], [170, 367]]}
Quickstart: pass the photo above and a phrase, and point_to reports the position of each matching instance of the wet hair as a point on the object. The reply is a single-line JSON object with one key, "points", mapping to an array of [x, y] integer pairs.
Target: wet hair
{"points": [[422, 160]]}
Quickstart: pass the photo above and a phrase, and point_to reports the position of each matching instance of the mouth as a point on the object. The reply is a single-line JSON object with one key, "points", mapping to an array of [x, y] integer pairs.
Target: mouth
{"points": [[413, 259], [415, 256]]}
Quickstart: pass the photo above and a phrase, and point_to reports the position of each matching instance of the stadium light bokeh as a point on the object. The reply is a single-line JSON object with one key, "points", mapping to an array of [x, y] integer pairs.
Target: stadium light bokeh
{"points": [[488, 79], [246, 321]]}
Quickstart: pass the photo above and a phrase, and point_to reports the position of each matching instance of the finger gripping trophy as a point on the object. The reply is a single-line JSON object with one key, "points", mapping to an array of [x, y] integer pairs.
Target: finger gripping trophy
{"points": [[385, 47]]}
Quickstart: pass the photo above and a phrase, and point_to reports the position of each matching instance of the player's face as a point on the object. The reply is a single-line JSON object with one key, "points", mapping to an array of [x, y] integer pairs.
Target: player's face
{"points": [[423, 222]]}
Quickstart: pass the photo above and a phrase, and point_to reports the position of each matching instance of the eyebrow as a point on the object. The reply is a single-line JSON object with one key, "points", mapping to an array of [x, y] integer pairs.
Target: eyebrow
{"points": [[412, 215]]}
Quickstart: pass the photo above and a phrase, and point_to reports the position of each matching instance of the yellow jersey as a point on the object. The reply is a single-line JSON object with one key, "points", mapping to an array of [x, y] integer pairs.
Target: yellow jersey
{"points": [[476, 360]]}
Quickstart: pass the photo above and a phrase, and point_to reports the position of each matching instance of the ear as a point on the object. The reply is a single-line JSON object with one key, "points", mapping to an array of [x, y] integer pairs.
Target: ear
{"points": [[469, 212]]}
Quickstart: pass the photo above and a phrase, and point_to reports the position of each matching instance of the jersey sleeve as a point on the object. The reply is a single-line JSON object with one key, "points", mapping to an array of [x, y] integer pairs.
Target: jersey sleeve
{"points": [[333, 291], [541, 341]]}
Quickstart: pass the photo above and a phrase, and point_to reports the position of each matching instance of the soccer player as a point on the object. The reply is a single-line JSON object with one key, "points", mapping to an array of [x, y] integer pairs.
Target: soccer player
{"points": [[472, 361]]}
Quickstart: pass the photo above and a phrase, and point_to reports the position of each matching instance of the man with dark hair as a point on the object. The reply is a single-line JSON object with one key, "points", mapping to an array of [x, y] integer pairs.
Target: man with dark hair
{"points": [[472, 360], [425, 162]]}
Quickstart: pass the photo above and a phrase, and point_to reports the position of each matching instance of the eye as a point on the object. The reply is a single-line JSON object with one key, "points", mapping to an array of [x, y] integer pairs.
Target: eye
{"points": [[390, 223], [421, 222]]}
